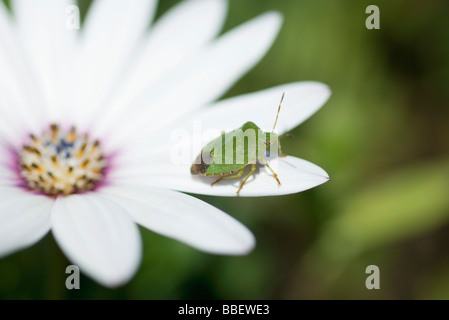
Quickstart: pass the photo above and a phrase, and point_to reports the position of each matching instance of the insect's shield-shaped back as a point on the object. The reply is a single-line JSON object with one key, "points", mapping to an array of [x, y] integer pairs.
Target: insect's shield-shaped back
{"points": [[239, 147], [236, 147]]}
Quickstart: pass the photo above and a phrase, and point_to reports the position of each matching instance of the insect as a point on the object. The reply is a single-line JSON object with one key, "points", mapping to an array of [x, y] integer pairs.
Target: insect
{"points": [[227, 156]]}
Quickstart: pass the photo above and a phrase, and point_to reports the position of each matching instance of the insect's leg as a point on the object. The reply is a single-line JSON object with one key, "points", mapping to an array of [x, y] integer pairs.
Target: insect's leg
{"points": [[280, 153], [288, 135], [253, 168], [235, 176], [262, 159], [216, 181]]}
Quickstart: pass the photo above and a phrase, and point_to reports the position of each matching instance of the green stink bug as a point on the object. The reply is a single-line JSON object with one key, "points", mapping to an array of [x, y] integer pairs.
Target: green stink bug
{"points": [[227, 156]]}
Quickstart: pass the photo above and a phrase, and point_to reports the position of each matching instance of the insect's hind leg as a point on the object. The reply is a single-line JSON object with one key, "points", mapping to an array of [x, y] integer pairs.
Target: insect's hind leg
{"points": [[281, 154], [253, 168], [272, 171], [235, 176]]}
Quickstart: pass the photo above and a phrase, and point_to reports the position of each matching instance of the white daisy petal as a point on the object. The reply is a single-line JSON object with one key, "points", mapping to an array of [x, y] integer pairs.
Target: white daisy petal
{"points": [[8, 81], [8, 173], [17, 90], [7, 33], [184, 218], [302, 99], [203, 79], [48, 44], [5, 172], [175, 37], [8, 182], [111, 34], [133, 90], [8, 177], [295, 174], [25, 219], [11, 122], [98, 236]]}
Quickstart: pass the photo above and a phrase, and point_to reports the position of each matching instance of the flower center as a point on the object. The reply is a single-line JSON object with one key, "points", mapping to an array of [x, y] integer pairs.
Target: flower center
{"points": [[62, 162]]}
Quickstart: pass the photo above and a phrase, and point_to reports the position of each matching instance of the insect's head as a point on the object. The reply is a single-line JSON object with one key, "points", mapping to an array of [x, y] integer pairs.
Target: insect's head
{"points": [[271, 142], [271, 138]]}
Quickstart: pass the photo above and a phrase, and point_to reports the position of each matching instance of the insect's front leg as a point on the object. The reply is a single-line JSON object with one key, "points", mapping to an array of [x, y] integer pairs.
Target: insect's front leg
{"points": [[280, 153], [253, 168], [262, 159]]}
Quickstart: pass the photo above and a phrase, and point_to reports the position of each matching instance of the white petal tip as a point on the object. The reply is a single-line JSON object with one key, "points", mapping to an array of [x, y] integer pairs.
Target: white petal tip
{"points": [[241, 243], [247, 250], [326, 179], [321, 176], [112, 277], [327, 92], [318, 89], [245, 247], [206, 5], [273, 17], [222, 5], [113, 281], [98, 236]]}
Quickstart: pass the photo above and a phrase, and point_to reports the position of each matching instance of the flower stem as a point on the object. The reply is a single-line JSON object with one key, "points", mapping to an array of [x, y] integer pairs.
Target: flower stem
{"points": [[55, 288]]}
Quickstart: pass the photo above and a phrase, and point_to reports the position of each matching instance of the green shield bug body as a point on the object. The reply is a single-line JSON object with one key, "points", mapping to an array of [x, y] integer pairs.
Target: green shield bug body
{"points": [[227, 156]]}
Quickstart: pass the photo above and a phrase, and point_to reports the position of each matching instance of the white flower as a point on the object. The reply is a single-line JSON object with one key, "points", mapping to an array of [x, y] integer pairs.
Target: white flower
{"points": [[129, 88]]}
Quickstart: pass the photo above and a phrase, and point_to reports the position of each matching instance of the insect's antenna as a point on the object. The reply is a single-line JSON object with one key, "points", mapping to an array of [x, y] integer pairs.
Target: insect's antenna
{"points": [[279, 109]]}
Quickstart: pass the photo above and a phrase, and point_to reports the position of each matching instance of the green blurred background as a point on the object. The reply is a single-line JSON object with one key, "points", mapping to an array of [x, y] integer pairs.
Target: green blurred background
{"points": [[383, 139]]}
